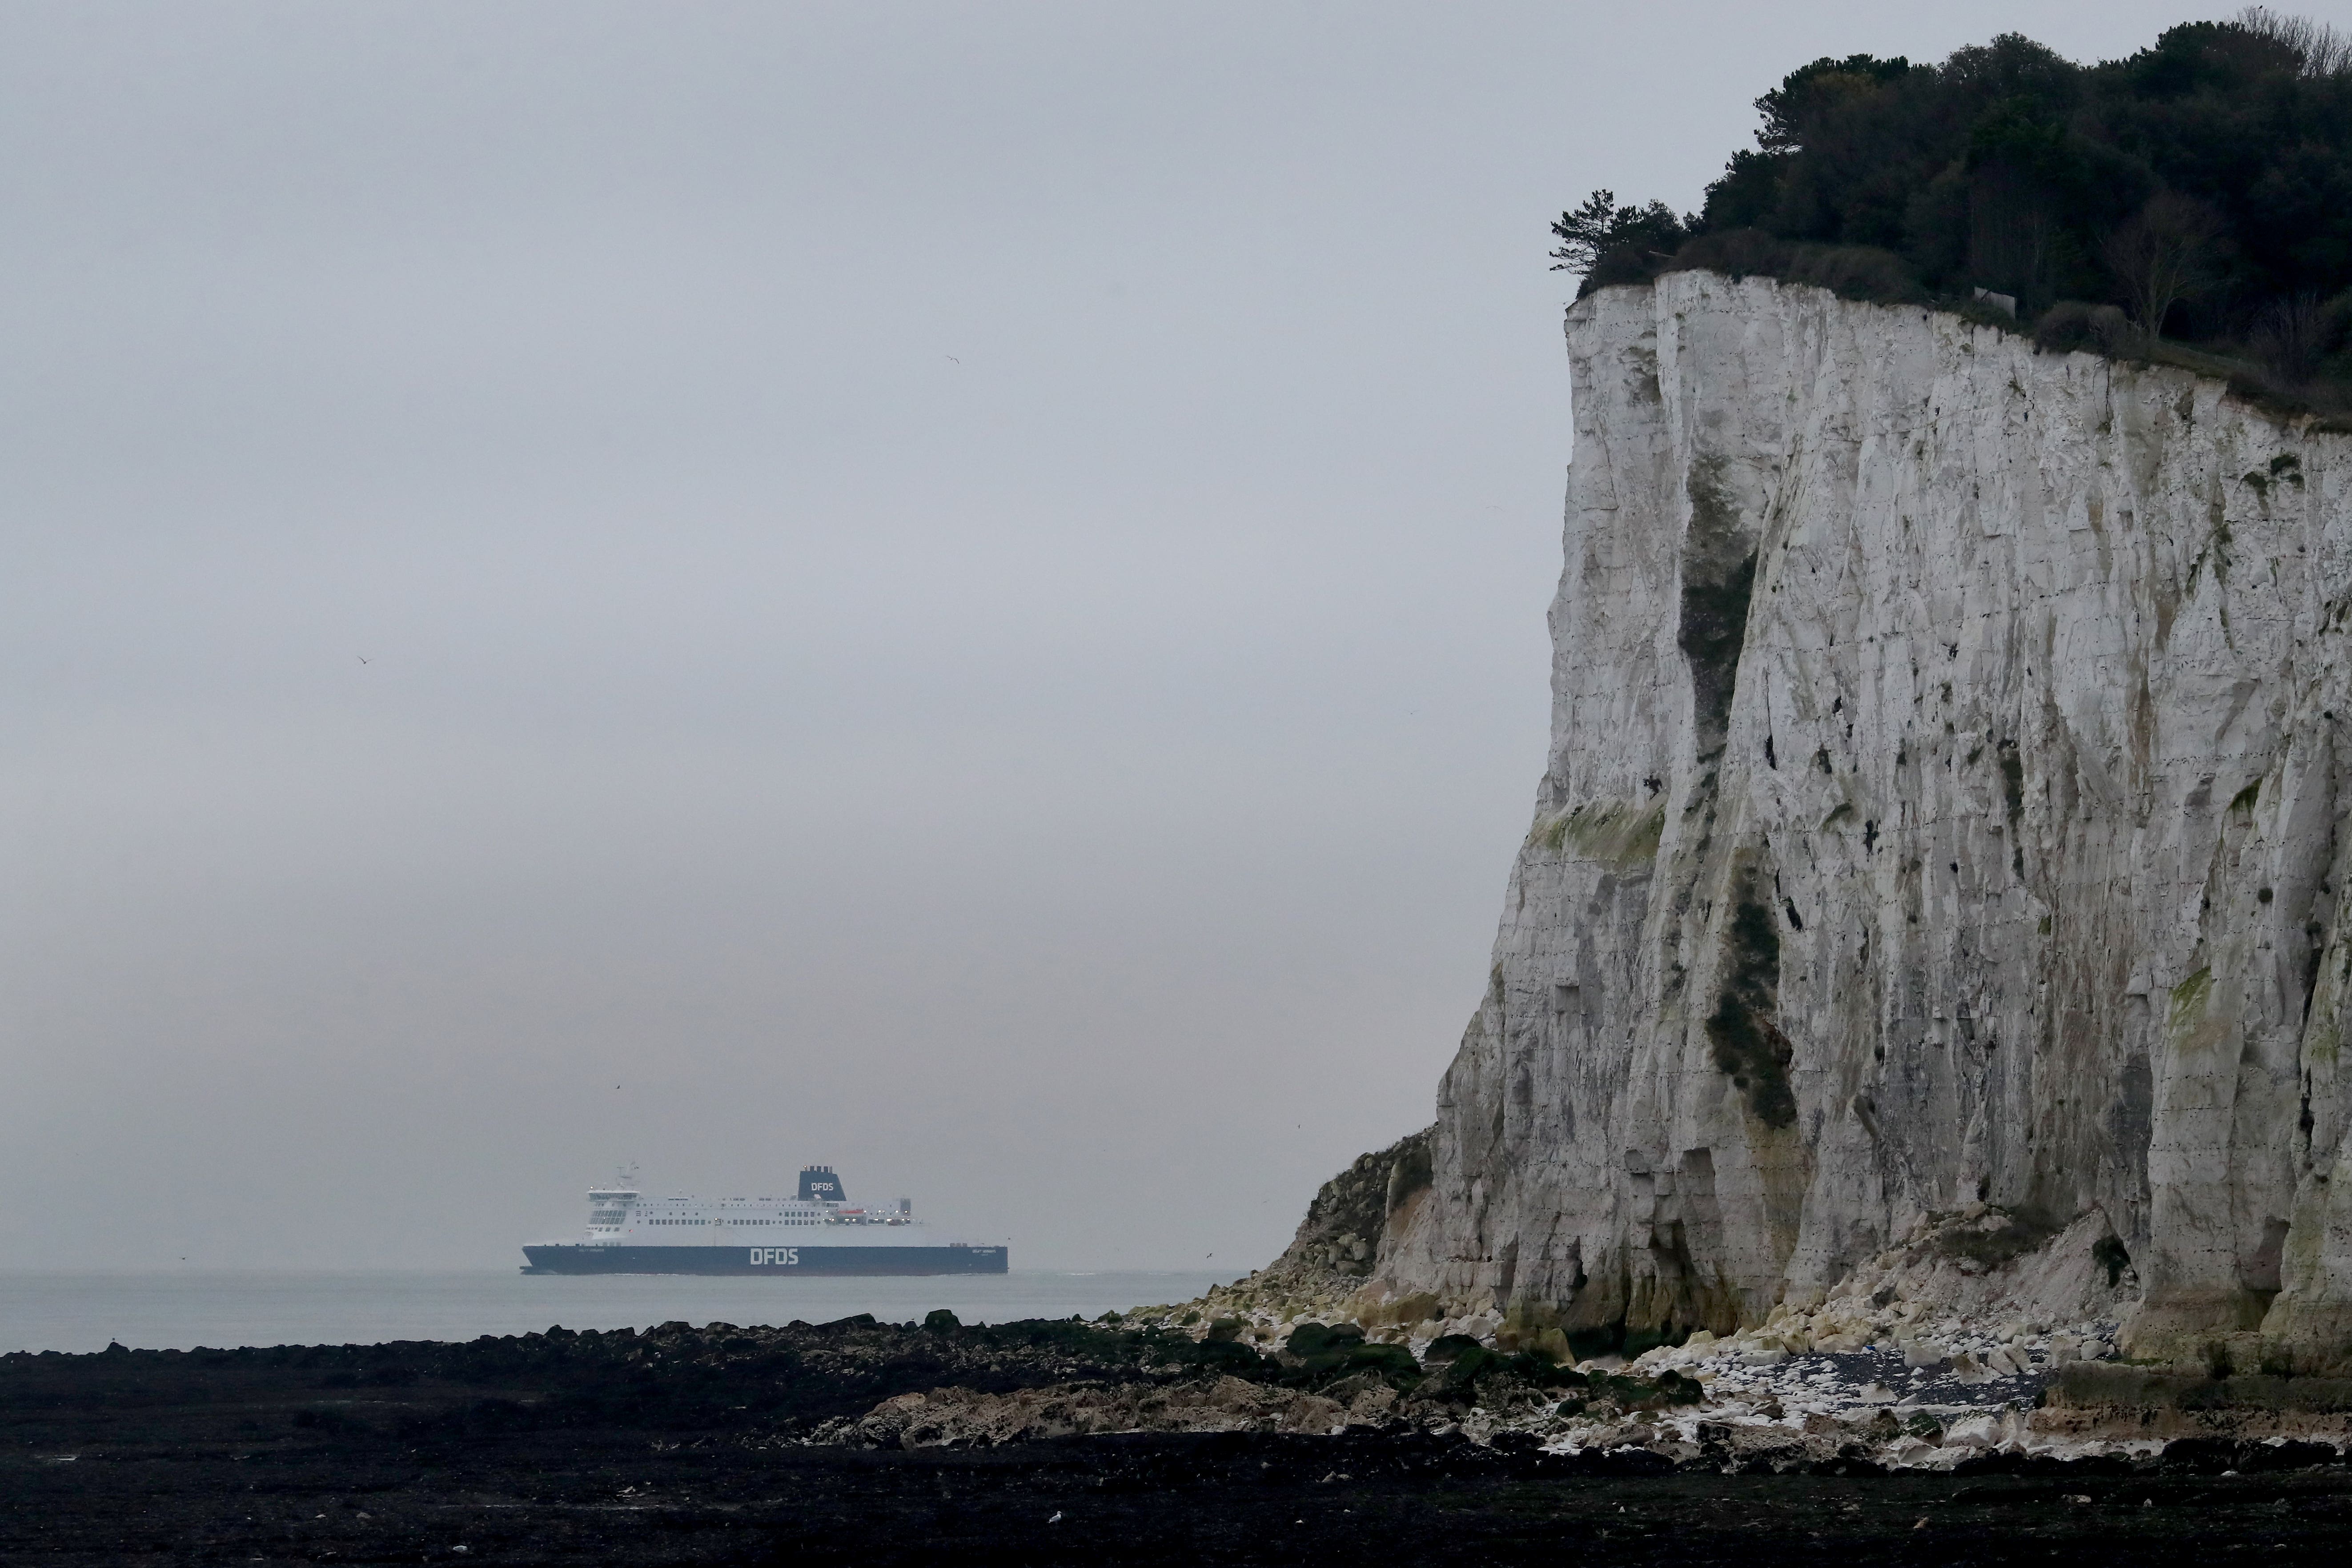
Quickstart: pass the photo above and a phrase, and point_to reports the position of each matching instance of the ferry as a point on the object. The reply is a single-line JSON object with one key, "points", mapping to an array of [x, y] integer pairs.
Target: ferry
{"points": [[817, 1232]]}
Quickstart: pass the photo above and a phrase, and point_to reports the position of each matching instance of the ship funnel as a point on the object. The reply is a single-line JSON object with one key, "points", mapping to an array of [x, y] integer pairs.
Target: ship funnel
{"points": [[820, 1185]]}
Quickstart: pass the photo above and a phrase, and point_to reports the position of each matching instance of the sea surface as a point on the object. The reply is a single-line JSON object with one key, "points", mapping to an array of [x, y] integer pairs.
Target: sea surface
{"points": [[76, 1312]]}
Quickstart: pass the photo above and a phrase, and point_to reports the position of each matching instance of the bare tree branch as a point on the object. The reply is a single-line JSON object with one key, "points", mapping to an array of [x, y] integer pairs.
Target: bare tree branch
{"points": [[2163, 255], [2323, 50]]}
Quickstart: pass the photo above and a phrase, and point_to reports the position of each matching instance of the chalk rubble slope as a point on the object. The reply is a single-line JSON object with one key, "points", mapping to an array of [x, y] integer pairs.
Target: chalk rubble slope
{"points": [[1945, 769]]}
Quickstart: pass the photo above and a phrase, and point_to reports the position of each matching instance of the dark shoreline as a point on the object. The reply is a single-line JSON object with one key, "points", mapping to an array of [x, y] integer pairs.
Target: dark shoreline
{"points": [[686, 1446]]}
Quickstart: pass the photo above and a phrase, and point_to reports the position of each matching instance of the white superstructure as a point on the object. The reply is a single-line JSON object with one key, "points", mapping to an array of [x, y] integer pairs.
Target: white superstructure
{"points": [[622, 1215]]}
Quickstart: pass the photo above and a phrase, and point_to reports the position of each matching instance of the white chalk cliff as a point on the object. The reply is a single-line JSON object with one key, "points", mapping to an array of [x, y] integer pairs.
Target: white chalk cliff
{"points": [[1948, 757]]}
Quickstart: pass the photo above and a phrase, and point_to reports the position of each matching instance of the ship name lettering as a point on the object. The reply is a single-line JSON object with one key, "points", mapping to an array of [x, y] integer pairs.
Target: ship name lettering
{"points": [[785, 1255]]}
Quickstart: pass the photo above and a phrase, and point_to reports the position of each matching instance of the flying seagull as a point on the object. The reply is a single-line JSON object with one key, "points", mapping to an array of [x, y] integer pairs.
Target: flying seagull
{"points": [[953, 360], [363, 659]]}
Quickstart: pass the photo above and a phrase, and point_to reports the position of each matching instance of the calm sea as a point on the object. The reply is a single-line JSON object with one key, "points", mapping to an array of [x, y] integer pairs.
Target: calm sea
{"points": [[183, 1310]]}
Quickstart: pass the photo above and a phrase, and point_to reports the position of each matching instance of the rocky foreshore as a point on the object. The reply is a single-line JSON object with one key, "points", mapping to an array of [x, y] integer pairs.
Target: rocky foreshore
{"points": [[869, 1443], [1767, 1398], [1979, 1335]]}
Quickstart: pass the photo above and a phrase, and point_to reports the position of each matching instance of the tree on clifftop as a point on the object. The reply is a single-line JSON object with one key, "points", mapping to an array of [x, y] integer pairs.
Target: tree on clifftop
{"points": [[2162, 255], [1600, 227], [2203, 183]]}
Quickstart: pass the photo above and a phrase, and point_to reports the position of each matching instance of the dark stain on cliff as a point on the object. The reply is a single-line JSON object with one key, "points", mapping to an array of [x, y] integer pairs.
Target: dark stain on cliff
{"points": [[1745, 1028], [1718, 580]]}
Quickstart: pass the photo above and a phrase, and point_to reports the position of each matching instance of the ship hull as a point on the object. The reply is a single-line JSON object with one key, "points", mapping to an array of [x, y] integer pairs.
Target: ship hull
{"points": [[779, 1262]]}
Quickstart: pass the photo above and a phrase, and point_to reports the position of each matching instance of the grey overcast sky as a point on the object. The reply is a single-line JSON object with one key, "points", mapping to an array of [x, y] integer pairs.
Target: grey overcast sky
{"points": [[953, 589]]}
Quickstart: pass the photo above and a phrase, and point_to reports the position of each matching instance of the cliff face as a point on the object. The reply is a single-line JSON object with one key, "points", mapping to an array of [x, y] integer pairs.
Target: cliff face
{"points": [[1947, 755]]}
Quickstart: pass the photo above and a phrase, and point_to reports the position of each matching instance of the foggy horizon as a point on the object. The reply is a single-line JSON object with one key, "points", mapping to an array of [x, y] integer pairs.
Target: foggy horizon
{"points": [[957, 593]]}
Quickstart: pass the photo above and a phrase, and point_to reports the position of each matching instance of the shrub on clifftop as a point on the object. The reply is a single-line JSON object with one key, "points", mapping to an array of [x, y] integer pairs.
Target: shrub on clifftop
{"points": [[2203, 186]]}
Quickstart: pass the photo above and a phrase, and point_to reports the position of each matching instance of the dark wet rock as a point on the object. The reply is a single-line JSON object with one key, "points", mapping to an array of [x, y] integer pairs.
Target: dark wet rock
{"points": [[688, 1445]]}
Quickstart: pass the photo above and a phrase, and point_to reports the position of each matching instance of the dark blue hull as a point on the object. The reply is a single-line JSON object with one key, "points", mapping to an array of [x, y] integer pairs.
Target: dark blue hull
{"points": [[574, 1257]]}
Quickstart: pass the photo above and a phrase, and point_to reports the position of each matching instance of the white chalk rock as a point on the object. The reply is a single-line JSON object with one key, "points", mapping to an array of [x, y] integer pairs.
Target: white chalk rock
{"points": [[1976, 1432], [1901, 674]]}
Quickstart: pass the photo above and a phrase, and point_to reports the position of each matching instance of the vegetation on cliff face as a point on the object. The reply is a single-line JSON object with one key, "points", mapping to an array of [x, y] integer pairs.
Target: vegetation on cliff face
{"points": [[1344, 1224], [2199, 190], [1744, 1028]]}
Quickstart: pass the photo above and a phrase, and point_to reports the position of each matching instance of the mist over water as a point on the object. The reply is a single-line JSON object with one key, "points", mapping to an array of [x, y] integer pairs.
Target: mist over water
{"points": [[952, 590], [80, 1313]]}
